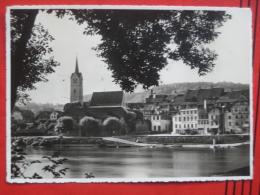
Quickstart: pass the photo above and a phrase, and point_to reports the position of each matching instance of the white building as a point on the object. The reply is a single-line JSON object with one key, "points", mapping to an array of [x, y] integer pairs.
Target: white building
{"points": [[160, 123], [186, 119]]}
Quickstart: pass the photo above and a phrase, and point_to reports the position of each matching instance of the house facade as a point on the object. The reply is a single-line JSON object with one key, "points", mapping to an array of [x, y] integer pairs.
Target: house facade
{"points": [[185, 119]]}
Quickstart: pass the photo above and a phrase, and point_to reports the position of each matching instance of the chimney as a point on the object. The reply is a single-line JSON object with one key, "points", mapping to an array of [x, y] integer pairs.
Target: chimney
{"points": [[205, 105]]}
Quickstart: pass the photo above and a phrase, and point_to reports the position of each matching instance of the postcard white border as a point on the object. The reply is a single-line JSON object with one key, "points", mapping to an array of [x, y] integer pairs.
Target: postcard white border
{"points": [[118, 180]]}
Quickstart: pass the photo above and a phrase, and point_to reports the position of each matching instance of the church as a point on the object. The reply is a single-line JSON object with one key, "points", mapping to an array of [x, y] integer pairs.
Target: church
{"points": [[102, 104]]}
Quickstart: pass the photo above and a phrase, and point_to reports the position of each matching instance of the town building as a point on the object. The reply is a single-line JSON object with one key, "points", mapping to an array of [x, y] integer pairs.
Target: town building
{"points": [[185, 119], [160, 122], [214, 118], [237, 118]]}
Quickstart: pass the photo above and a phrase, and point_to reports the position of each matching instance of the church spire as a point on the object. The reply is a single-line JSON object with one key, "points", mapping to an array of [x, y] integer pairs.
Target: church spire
{"points": [[77, 67]]}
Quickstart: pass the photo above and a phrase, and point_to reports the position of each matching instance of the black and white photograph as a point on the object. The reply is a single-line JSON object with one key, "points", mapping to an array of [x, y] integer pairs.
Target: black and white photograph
{"points": [[128, 94]]}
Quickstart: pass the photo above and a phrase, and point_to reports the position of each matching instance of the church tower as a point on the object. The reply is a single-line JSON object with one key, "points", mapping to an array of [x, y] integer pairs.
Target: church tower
{"points": [[76, 85]]}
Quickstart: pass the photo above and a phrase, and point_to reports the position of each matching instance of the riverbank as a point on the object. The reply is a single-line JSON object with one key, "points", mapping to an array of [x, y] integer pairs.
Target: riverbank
{"points": [[203, 141]]}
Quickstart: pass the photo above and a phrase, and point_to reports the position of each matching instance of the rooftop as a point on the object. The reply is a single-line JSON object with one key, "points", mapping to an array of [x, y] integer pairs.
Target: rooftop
{"points": [[107, 99]]}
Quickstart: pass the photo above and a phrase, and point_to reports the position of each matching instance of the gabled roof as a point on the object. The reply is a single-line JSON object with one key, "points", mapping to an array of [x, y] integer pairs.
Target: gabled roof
{"points": [[107, 99]]}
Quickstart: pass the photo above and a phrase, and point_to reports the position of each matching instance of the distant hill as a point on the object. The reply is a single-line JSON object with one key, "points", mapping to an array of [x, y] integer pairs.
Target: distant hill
{"points": [[177, 88], [169, 89], [37, 107]]}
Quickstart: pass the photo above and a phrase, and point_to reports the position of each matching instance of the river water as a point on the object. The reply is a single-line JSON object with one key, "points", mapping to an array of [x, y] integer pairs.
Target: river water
{"points": [[138, 162]]}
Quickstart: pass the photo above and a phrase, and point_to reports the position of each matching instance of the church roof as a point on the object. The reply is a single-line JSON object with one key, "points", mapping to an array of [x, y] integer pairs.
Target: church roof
{"points": [[107, 98]]}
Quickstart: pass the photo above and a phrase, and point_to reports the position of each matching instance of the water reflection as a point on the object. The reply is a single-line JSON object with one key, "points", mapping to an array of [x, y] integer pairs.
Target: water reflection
{"points": [[144, 162]]}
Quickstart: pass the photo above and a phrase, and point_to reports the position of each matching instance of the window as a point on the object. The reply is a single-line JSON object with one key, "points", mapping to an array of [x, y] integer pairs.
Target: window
{"points": [[195, 111], [179, 118], [188, 118], [176, 126], [180, 126], [154, 128], [188, 126], [195, 118], [184, 126], [229, 117], [158, 117], [187, 112], [229, 124], [191, 112], [184, 118], [159, 128], [191, 125], [191, 118]]}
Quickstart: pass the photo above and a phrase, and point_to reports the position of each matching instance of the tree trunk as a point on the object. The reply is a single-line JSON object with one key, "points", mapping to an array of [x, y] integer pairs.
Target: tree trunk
{"points": [[18, 56]]}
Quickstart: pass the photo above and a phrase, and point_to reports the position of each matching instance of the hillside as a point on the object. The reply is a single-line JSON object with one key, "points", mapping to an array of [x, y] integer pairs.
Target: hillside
{"points": [[169, 89], [176, 88]]}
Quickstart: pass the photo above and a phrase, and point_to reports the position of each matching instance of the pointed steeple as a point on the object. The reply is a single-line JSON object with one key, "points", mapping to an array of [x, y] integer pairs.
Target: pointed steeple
{"points": [[77, 67]]}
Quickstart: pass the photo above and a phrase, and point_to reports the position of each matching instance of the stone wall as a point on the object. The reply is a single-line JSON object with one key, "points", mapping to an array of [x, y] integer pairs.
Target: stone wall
{"points": [[221, 139]]}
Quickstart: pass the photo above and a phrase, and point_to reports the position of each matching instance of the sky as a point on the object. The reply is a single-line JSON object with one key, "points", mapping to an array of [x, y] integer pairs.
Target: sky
{"points": [[233, 47]]}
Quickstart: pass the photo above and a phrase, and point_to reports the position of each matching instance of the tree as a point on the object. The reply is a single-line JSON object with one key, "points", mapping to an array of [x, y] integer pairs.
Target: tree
{"points": [[64, 124], [113, 126], [136, 44], [30, 53], [89, 126]]}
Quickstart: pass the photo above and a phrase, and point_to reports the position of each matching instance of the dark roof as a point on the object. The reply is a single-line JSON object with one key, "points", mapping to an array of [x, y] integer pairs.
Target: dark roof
{"points": [[225, 99], [236, 94], [201, 94], [108, 98], [104, 112], [179, 99]]}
